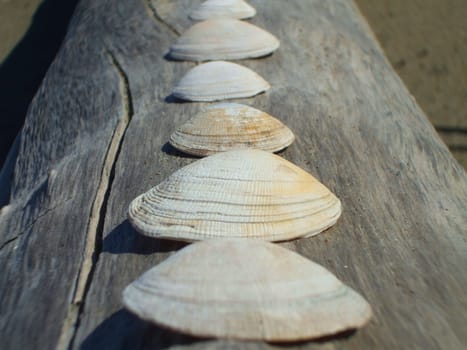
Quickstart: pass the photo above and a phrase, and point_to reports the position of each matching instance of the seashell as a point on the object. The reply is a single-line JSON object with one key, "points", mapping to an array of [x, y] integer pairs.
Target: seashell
{"points": [[219, 80], [223, 39], [249, 290], [237, 194], [228, 126], [237, 9]]}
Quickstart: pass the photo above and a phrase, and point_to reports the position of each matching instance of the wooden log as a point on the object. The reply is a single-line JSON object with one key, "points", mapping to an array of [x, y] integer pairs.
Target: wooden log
{"points": [[96, 136]]}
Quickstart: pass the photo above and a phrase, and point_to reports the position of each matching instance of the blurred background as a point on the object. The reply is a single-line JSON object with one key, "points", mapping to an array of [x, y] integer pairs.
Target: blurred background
{"points": [[425, 40]]}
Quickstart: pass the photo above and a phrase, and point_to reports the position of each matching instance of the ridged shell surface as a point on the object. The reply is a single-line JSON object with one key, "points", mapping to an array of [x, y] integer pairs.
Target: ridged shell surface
{"points": [[229, 126], [223, 39], [220, 80], [245, 290], [237, 9], [237, 194]]}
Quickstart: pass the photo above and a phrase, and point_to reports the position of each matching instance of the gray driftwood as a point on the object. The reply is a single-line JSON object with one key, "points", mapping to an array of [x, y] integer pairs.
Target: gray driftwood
{"points": [[96, 136]]}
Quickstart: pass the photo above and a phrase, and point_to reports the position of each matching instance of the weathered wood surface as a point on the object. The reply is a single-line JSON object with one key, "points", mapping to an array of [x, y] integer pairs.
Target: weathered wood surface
{"points": [[95, 137]]}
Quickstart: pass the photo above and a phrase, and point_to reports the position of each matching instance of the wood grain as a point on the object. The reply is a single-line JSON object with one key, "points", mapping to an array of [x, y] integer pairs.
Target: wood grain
{"points": [[96, 137]]}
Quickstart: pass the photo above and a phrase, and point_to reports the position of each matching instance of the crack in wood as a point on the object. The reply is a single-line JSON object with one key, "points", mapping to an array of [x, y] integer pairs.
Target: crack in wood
{"points": [[153, 11], [11, 240], [95, 227], [17, 235]]}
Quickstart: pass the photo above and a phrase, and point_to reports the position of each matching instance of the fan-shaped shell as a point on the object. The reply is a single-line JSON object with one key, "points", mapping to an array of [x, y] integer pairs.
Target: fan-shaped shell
{"points": [[223, 39], [236, 194], [237, 9], [229, 126], [245, 290], [214, 81]]}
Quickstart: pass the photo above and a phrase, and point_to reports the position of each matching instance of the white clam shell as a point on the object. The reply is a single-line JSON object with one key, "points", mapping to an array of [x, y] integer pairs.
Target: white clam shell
{"points": [[237, 9], [237, 194], [229, 126], [219, 80], [223, 39], [245, 290]]}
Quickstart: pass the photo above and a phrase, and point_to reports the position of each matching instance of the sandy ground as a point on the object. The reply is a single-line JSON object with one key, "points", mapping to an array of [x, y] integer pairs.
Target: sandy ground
{"points": [[15, 19], [425, 40]]}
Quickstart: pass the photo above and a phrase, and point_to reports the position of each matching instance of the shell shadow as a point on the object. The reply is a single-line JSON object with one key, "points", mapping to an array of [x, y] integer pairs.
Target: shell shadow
{"points": [[125, 239], [170, 150], [173, 99], [282, 152], [328, 338], [168, 57], [123, 330]]}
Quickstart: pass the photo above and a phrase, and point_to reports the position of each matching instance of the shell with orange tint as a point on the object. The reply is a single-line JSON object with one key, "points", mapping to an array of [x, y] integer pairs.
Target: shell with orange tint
{"points": [[245, 290], [229, 126], [237, 194]]}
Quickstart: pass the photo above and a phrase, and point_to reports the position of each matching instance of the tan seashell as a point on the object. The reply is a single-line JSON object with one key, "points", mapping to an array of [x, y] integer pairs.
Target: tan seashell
{"points": [[223, 39], [245, 290], [220, 80], [237, 9], [228, 126], [237, 194]]}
